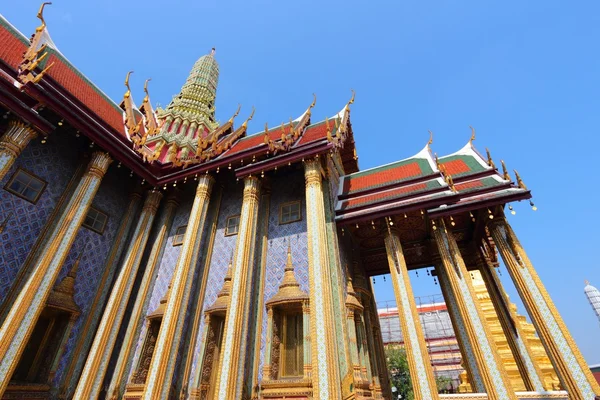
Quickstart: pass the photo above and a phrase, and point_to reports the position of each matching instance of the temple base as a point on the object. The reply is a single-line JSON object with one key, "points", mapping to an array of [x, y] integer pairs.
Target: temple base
{"points": [[555, 395]]}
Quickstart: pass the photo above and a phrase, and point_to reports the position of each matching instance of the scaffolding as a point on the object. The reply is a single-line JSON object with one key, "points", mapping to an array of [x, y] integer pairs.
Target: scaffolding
{"points": [[439, 335]]}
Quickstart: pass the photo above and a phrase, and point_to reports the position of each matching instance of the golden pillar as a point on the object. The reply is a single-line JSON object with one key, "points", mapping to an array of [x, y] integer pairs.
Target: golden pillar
{"points": [[325, 371], [23, 315], [230, 381], [160, 372], [12, 143], [517, 340], [462, 294], [568, 362], [90, 382], [419, 363], [131, 334], [353, 311]]}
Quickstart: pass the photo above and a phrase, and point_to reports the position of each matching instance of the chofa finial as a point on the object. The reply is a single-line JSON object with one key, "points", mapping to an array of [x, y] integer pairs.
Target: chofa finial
{"points": [[472, 134], [430, 141], [40, 13]]}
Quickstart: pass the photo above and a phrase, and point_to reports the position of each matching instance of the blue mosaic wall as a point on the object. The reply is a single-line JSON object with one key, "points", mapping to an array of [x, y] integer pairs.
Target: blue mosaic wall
{"points": [[231, 204], [285, 188], [54, 162], [112, 198]]}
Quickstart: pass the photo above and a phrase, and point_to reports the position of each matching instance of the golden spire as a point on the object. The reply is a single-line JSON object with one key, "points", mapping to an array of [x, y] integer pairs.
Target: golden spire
{"points": [[351, 297], [505, 174], [222, 301], [472, 134], [62, 294], [520, 181], [289, 289], [489, 158]]}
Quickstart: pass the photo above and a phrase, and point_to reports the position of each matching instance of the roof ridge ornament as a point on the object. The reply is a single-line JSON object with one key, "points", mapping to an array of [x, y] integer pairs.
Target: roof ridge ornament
{"points": [[132, 128], [489, 158], [34, 55], [520, 181], [505, 174], [430, 141], [472, 134]]}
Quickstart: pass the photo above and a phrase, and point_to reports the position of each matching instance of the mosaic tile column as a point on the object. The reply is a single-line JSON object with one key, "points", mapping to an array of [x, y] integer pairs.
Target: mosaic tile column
{"points": [[230, 381], [23, 315], [419, 363], [365, 357], [93, 318], [529, 370], [351, 326], [160, 373], [494, 377], [325, 374], [13, 141], [131, 335], [92, 376], [466, 351], [572, 370], [306, 337]]}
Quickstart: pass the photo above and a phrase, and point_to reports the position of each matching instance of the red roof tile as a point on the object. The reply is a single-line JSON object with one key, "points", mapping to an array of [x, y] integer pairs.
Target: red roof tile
{"points": [[469, 185], [316, 132], [455, 167], [353, 184], [71, 81], [12, 49], [383, 195]]}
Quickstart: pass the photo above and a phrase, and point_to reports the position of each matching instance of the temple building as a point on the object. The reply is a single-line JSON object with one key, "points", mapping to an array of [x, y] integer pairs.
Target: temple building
{"points": [[157, 253]]}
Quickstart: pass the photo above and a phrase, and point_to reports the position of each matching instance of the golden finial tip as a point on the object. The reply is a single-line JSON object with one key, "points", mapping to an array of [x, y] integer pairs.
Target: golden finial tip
{"points": [[145, 84], [430, 138], [314, 101], [586, 282], [353, 96], [472, 134]]}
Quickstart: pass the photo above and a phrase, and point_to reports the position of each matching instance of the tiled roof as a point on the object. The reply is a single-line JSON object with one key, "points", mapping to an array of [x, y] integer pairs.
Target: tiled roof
{"points": [[83, 90], [14, 44], [392, 194], [466, 161]]}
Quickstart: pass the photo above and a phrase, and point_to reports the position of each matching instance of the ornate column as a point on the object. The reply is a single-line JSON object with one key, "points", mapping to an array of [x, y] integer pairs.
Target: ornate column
{"points": [[466, 352], [160, 372], [479, 339], [517, 340], [266, 376], [365, 359], [306, 336], [13, 141], [353, 309], [230, 380], [419, 363], [90, 382], [131, 334], [326, 380], [26, 309], [568, 362]]}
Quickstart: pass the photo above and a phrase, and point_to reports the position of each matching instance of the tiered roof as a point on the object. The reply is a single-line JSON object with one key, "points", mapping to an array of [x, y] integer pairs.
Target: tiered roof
{"points": [[163, 145], [426, 182]]}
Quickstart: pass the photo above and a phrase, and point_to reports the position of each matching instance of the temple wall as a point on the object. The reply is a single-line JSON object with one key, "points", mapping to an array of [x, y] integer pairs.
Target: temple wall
{"points": [[231, 204], [112, 199], [55, 162], [164, 274], [285, 188]]}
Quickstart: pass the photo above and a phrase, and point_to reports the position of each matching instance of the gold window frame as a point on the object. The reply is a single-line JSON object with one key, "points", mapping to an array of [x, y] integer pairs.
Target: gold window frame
{"points": [[227, 233], [32, 175], [290, 203], [297, 318], [91, 228], [179, 235]]}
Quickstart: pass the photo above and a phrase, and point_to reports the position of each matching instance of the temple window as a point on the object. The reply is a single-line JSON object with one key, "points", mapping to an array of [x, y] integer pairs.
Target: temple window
{"points": [[95, 220], [179, 234], [291, 364], [232, 225], [26, 185], [287, 356], [290, 212]]}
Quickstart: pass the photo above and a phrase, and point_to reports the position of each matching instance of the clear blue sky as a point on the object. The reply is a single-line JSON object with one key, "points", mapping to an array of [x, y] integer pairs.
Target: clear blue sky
{"points": [[525, 74]]}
